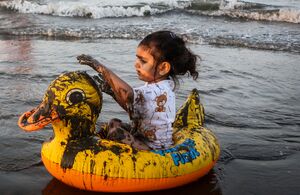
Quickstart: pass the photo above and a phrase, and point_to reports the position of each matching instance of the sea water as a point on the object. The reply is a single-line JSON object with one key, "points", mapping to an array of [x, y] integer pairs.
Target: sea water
{"points": [[249, 81]]}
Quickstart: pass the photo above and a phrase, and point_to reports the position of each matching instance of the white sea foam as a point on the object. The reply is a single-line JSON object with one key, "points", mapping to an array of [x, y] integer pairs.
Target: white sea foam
{"points": [[281, 15], [128, 8], [253, 11], [230, 4], [96, 9]]}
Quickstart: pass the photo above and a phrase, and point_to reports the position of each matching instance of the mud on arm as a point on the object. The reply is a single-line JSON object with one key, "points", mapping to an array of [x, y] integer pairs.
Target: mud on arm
{"points": [[123, 93]]}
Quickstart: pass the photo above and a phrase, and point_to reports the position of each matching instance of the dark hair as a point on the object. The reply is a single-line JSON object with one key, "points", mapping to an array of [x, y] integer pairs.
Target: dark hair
{"points": [[165, 46]]}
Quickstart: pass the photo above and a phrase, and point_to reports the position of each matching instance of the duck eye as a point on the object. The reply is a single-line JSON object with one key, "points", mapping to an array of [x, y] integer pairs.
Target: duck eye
{"points": [[75, 96]]}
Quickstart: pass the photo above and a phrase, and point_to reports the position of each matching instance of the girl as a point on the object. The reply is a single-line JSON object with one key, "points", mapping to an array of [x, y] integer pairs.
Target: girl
{"points": [[161, 56]]}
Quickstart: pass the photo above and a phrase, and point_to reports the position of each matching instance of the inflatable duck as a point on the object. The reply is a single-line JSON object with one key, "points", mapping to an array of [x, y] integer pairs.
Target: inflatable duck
{"points": [[79, 158]]}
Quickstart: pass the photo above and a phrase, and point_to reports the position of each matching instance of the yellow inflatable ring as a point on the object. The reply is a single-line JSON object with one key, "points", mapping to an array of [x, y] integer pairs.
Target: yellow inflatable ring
{"points": [[78, 158]]}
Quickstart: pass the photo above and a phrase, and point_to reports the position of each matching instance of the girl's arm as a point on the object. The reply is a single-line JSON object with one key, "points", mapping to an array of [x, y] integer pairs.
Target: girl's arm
{"points": [[123, 92]]}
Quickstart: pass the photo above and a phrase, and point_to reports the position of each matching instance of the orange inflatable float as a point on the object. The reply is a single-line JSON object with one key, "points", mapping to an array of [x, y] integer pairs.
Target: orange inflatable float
{"points": [[78, 157]]}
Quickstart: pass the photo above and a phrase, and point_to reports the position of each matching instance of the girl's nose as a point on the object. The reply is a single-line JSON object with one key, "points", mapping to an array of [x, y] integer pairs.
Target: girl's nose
{"points": [[136, 64]]}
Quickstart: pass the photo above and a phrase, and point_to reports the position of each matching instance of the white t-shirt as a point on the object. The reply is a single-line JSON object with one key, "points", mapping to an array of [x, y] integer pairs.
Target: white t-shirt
{"points": [[154, 105]]}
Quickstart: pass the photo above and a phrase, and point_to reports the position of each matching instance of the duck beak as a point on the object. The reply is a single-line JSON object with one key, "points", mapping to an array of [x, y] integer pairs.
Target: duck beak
{"points": [[37, 118]]}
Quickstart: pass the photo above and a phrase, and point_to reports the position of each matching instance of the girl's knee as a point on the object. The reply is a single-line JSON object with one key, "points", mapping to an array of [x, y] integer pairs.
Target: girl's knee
{"points": [[120, 135], [123, 136], [114, 123]]}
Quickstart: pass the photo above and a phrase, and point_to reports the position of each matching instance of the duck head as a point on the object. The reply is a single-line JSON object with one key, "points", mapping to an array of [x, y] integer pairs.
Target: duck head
{"points": [[72, 104]]}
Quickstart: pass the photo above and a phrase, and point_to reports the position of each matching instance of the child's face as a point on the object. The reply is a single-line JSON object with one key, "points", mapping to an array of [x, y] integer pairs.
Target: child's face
{"points": [[145, 65]]}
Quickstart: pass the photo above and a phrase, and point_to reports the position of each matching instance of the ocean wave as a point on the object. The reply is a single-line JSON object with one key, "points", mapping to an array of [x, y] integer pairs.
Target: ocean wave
{"points": [[118, 8], [95, 9], [279, 15], [258, 44], [247, 10], [138, 33]]}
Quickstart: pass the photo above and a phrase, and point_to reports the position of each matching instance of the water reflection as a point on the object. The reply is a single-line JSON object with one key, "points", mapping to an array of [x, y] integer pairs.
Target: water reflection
{"points": [[17, 51], [206, 185]]}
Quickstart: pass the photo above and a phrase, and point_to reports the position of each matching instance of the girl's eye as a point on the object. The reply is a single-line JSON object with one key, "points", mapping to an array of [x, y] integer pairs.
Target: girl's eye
{"points": [[143, 61], [75, 96]]}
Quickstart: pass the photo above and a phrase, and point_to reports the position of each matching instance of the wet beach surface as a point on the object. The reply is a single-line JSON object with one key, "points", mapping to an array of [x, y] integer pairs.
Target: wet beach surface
{"points": [[252, 106]]}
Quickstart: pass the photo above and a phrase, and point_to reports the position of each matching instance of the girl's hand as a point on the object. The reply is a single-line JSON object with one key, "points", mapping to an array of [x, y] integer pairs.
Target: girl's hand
{"points": [[88, 60], [111, 83]]}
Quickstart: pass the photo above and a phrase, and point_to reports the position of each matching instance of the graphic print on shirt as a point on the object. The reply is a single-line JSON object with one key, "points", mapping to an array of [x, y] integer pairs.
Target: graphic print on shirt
{"points": [[140, 99], [160, 102], [154, 112]]}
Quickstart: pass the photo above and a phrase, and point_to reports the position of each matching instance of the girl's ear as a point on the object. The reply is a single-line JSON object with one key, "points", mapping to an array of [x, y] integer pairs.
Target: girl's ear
{"points": [[164, 68]]}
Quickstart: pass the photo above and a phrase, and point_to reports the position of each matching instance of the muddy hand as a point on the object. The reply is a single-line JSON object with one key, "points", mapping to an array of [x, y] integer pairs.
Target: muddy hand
{"points": [[87, 60]]}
